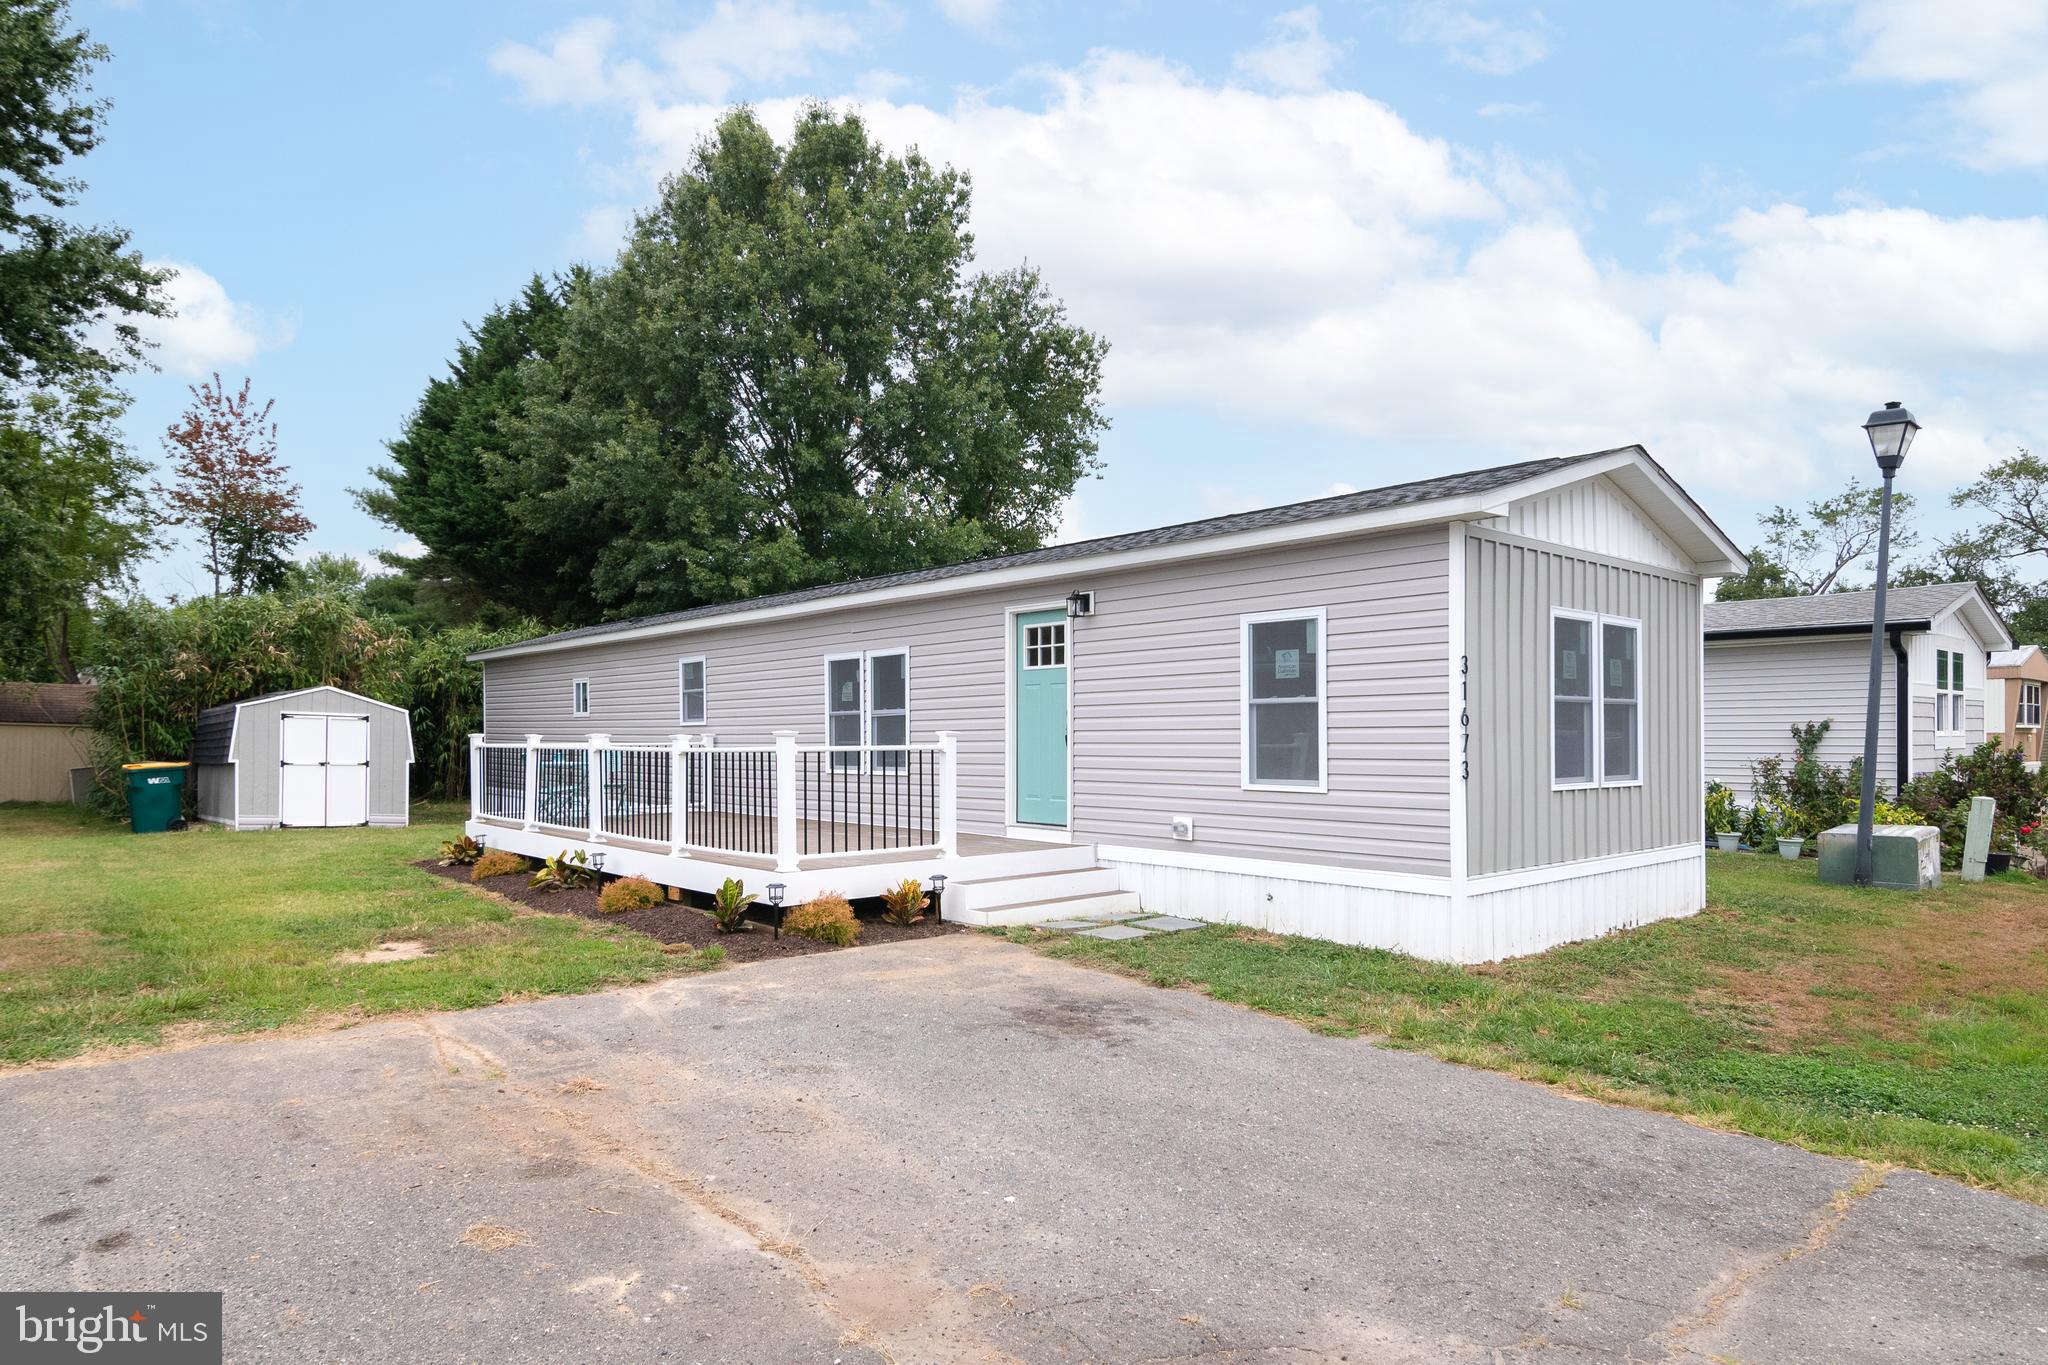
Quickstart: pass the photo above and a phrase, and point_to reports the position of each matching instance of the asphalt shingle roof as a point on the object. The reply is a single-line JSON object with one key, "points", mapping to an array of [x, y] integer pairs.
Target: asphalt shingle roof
{"points": [[24, 703], [1835, 609], [1343, 504]]}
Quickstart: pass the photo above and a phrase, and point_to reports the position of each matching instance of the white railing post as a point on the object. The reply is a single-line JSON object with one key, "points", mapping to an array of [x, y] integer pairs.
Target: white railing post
{"points": [[593, 777], [532, 798], [949, 794], [678, 794], [785, 800], [476, 776]]}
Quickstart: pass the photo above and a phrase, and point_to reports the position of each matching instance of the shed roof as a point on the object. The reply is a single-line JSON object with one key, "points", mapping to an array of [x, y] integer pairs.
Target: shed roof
{"points": [[26, 703], [1644, 478], [213, 736], [1837, 612]]}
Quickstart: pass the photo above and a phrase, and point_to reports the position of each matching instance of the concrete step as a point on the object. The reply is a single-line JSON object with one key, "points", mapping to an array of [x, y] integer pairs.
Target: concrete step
{"points": [[984, 867], [992, 893], [1100, 905]]}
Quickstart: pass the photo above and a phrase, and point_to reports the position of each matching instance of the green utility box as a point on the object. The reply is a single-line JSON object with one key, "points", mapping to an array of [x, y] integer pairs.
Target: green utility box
{"points": [[1906, 857], [156, 795]]}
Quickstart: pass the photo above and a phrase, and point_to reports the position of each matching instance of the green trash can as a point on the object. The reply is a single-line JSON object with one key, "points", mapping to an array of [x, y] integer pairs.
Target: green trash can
{"points": [[156, 795]]}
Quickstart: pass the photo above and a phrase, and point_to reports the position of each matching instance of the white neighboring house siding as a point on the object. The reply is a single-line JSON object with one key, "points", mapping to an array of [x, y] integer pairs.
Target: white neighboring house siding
{"points": [[1758, 689], [1929, 746]]}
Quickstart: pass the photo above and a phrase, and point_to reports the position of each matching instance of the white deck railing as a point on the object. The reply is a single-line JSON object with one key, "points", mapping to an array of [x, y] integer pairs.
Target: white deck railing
{"points": [[787, 801]]}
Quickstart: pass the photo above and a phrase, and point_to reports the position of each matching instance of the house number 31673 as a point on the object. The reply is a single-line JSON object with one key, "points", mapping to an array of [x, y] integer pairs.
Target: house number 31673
{"points": [[1464, 718]]}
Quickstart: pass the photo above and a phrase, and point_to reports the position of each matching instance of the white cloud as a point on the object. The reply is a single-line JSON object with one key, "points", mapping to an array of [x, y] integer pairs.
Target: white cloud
{"points": [[1296, 55], [1493, 47], [979, 14], [738, 43], [1313, 258], [1989, 56], [208, 330]]}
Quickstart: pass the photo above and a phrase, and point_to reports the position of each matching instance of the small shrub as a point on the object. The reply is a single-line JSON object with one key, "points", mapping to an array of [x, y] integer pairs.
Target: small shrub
{"points": [[497, 862], [904, 903], [1808, 796], [628, 893], [564, 872], [1942, 799], [827, 918], [729, 906], [1889, 814], [460, 852]]}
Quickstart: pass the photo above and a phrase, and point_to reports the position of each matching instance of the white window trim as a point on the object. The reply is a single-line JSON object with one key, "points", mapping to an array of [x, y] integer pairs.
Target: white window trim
{"points": [[1025, 664], [867, 711], [1320, 616], [1596, 694], [1954, 689], [704, 675], [2020, 721], [579, 688]]}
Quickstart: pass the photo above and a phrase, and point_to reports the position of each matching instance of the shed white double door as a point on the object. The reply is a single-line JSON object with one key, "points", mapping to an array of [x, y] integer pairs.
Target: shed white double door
{"points": [[323, 771]]}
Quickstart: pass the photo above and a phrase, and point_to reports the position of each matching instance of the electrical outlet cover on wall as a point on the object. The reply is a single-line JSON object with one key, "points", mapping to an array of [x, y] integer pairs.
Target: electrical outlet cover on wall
{"points": [[1183, 826]]}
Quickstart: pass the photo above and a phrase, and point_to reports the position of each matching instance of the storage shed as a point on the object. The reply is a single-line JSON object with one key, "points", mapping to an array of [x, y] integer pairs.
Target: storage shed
{"points": [[318, 756]]}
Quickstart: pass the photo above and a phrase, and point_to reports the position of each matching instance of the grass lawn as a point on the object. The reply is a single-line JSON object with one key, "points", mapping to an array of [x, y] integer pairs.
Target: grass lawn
{"points": [[1904, 1029], [110, 938]]}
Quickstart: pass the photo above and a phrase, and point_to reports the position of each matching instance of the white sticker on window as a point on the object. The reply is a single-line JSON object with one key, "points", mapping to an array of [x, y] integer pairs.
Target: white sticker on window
{"points": [[1286, 663], [1571, 666]]}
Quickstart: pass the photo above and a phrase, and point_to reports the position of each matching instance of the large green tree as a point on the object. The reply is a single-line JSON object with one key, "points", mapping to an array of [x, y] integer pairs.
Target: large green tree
{"points": [[456, 482], [73, 517], [69, 293], [793, 375]]}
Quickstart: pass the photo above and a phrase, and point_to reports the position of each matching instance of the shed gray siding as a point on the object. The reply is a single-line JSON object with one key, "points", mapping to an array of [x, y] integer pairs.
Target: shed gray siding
{"points": [[255, 751], [214, 792], [1514, 819], [1154, 681], [1757, 690]]}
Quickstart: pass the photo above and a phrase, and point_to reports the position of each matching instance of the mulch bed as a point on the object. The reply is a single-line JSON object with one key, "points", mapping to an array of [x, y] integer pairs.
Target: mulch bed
{"points": [[681, 922]]}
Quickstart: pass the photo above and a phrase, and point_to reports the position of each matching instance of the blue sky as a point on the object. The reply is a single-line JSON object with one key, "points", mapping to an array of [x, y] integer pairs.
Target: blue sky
{"points": [[1331, 246]]}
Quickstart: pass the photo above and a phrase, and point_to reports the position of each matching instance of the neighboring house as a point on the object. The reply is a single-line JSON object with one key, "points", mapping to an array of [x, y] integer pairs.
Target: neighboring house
{"points": [[1782, 661], [2012, 698], [1457, 717], [316, 756], [43, 741]]}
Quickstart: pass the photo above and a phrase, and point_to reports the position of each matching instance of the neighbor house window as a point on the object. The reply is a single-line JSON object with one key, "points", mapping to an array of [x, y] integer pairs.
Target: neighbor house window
{"points": [[690, 691], [1948, 691], [1283, 729], [2030, 706], [1596, 700], [867, 701], [579, 697]]}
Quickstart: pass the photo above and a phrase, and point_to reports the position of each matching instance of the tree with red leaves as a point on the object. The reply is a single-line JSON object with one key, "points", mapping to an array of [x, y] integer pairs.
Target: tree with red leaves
{"points": [[231, 490]]}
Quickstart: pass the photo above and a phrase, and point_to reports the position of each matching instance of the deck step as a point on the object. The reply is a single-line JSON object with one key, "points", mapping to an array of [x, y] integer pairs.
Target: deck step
{"points": [[992, 893], [1094, 905]]}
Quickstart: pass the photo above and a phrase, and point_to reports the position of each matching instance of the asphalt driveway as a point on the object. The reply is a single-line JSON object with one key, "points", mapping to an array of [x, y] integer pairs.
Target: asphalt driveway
{"points": [[958, 1150]]}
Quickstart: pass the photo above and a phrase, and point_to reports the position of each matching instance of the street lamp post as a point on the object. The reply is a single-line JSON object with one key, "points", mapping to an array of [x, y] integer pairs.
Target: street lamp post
{"points": [[1891, 429]]}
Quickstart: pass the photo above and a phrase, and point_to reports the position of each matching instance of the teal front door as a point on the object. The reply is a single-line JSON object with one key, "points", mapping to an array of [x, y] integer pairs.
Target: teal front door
{"points": [[1040, 688]]}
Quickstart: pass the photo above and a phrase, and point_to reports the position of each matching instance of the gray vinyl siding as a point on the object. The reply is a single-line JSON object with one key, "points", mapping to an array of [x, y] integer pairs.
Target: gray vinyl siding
{"points": [[1928, 752], [1758, 690], [255, 749], [214, 794], [1157, 696], [1514, 819], [1154, 682]]}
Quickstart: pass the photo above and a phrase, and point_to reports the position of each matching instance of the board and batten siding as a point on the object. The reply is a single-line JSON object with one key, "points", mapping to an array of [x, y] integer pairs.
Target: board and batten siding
{"points": [[1592, 515], [1757, 690], [1154, 680], [1514, 819]]}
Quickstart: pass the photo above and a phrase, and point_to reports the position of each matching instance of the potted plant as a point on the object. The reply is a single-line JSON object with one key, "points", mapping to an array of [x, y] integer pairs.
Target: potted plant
{"points": [[1722, 817], [1791, 843], [2002, 861]]}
